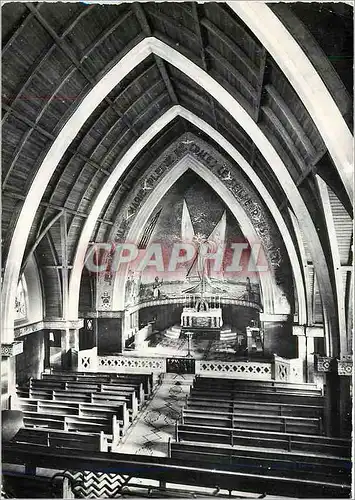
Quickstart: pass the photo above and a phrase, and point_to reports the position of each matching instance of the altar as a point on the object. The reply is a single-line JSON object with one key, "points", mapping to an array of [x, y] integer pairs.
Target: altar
{"points": [[202, 316], [191, 318]]}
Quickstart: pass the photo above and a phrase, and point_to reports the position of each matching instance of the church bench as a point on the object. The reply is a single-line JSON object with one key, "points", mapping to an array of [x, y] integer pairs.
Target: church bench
{"points": [[59, 439], [115, 378], [143, 377], [82, 395], [81, 410], [35, 419], [272, 385], [297, 425], [296, 410], [263, 462], [108, 425], [91, 386], [259, 396], [265, 439], [99, 398], [171, 470]]}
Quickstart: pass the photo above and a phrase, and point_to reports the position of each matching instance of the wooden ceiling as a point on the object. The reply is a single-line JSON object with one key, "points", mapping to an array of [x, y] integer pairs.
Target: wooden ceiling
{"points": [[54, 53]]}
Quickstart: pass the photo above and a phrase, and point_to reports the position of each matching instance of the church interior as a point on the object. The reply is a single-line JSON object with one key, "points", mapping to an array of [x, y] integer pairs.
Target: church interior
{"points": [[177, 249]]}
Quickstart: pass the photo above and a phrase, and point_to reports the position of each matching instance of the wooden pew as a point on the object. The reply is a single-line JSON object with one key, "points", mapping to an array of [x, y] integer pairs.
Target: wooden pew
{"points": [[258, 396], [176, 471], [108, 425], [61, 439], [113, 419], [297, 425], [265, 462], [265, 439], [81, 394], [91, 386], [272, 385], [147, 380], [79, 409], [266, 408]]}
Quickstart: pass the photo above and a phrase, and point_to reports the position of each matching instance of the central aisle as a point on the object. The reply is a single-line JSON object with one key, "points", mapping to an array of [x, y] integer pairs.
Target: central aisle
{"points": [[156, 423]]}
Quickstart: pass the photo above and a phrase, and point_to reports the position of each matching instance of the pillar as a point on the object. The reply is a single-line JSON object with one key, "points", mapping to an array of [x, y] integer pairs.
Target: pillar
{"points": [[69, 348], [8, 372], [278, 335], [305, 343], [110, 335]]}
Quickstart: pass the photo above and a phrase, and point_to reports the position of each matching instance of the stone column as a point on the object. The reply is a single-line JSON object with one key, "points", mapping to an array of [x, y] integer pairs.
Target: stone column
{"points": [[69, 349], [278, 338], [8, 372], [110, 334]]}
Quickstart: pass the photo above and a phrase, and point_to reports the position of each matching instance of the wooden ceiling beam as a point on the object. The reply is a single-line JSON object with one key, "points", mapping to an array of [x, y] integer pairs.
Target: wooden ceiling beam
{"points": [[233, 47], [38, 128], [62, 44], [259, 97], [105, 34], [284, 135], [39, 239], [291, 119], [18, 30], [54, 206], [154, 12], [202, 41], [143, 21], [261, 83], [310, 170], [77, 19], [232, 70]]}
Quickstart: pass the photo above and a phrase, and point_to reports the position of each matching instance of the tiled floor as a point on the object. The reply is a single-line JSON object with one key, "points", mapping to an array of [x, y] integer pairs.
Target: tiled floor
{"points": [[156, 424], [201, 348]]}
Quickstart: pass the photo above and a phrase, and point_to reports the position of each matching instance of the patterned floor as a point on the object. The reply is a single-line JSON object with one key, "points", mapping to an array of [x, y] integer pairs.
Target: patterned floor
{"points": [[156, 424], [201, 348]]}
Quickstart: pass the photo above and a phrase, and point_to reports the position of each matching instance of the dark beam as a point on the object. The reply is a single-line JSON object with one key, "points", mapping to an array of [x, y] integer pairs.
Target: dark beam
{"points": [[39, 239], [202, 38], [62, 44], [261, 83], [284, 135], [310, 170], [237, 51], [232, 70], [38, 128], [154, 11], [143, 21], [53, 206], [259, 96], [77, 19], [16, 33], [291, 119], [102, 37]]}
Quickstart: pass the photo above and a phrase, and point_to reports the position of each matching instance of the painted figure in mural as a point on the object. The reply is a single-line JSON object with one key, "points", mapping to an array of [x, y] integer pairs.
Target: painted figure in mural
{"points": [[156, 287]]}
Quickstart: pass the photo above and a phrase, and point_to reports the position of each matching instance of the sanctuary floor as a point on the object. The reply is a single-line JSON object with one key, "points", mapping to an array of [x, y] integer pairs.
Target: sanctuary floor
{"points": [[201, 348]]}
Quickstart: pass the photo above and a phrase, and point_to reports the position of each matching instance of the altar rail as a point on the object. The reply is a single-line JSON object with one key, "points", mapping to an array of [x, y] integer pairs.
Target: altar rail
{"points": [[131, 364], [281, 369], [288, 370], [238, 369]]}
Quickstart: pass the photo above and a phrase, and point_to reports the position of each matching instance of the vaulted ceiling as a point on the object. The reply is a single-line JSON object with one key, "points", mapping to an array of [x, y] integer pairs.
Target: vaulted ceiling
{"points": [[55, 54]]}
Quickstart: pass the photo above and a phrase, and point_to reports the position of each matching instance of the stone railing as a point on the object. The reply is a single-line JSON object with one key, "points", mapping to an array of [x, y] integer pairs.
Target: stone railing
{"points": [[288, 370], [130, 363], [87, 360], [281, 369], [239, 369]]}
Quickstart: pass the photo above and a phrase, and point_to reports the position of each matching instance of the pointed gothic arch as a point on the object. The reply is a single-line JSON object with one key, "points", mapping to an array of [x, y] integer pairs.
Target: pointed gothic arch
{"points": [[124, 66]]}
